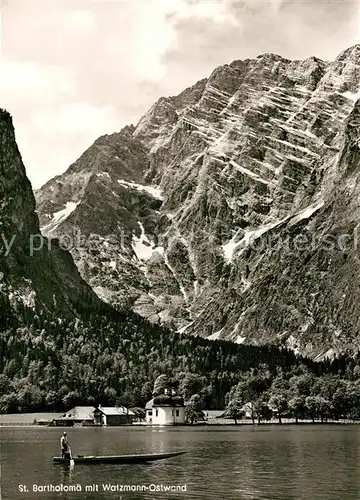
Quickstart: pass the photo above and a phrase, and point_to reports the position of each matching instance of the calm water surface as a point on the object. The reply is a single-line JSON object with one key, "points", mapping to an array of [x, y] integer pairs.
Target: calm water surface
{"points": [[222, 463]]}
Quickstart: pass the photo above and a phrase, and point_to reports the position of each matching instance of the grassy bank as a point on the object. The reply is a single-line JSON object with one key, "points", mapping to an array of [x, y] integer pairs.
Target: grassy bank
{"points": [[25, 418]]}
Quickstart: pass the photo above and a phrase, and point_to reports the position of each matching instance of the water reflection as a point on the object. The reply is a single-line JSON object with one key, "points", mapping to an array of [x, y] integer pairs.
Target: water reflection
{"points": [[65, 474]]}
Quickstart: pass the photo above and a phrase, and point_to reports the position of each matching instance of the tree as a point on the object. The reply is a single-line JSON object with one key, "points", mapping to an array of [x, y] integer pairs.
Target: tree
{"points": [[127, 399], [353, 402], [318, 406], [279, 394], [4, 384], [356, 372], [301, 385], [252, 385], [234, 410], [325, 408], [71, 399], [9, 403], [340, 402], [50, 400], [111, 395], [278, 403], [160, 384], [146, 393], [311, 407], [261, 410], [193, 409], [296, 407], [190, 383], [29, 397]]}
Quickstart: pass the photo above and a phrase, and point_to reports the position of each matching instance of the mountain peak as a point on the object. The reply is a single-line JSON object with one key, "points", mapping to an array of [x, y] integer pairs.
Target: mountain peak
{"points": [[271, 56], [213, 189], [353, 51]]}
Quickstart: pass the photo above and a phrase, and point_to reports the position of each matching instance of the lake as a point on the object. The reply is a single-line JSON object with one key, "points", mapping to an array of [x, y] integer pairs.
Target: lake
{"points": [[289, 462]]}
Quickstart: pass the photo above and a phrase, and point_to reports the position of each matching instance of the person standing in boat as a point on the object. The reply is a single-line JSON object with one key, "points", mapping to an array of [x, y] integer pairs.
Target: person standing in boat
{"points": [[65, 446]]}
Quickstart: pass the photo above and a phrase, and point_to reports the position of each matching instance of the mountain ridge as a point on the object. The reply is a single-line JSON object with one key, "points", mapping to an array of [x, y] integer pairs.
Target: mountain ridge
{"points": [[251, 155], [35, 272]]}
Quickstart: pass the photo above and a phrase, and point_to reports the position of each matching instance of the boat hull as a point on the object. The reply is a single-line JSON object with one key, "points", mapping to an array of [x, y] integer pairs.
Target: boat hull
{"points": [[117, 459]]}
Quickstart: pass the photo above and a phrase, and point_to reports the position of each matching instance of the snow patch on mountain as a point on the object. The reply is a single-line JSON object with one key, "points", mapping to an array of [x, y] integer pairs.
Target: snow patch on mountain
{"points": [[154, 191], [248, 172], [60, 216], [353, 96], [103, 293], [103, 174], [248, 238], [307, 212], [215, 335], [292, 343], [63, 214], [184, 328], [143, 247]]}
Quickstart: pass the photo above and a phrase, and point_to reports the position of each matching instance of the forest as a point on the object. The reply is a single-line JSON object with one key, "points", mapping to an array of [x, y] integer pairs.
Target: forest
{"points": [[52, 364]]}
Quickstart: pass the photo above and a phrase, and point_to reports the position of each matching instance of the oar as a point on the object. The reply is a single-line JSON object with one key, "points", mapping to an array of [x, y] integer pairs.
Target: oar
{"points": [[72, 461]]}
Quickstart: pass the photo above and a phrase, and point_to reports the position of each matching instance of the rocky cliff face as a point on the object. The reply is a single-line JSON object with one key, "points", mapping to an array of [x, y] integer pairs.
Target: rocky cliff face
{"points": [[231, 210], [34, 272]]}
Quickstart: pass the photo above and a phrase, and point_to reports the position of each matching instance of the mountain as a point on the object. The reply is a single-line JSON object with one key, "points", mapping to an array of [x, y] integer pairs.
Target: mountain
{"points": [[60, 344], [35, 273], [230, 211]]}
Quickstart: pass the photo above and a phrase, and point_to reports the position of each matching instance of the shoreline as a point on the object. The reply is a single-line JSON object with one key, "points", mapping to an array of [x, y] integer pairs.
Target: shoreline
{"points": [[14, 420]]}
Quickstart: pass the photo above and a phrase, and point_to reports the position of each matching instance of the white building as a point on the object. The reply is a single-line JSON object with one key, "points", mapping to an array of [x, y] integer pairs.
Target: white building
{"points": [[165, 409]]}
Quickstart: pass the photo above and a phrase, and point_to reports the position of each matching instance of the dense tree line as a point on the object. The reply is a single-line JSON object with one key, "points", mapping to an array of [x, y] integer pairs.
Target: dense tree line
{"points": [[51, 364], [296, 394]]}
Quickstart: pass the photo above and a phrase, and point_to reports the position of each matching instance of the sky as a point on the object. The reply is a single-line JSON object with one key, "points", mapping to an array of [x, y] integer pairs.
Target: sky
{"points": [[72, 70]]}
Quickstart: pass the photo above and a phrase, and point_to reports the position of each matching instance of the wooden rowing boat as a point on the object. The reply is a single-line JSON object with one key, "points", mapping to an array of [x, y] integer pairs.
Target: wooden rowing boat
{"points": [[117, 459]]}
